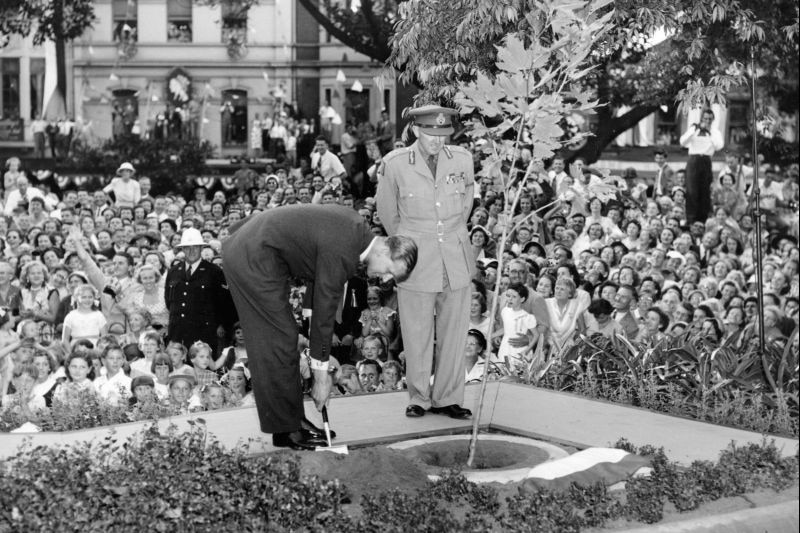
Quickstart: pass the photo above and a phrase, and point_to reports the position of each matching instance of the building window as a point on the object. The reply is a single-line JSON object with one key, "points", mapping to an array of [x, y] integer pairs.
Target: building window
{"points": [[667, 126], [233, 117], [179, 21], [124, 112], [234, 23], [738, 122], [124, 15], [11, 123]]}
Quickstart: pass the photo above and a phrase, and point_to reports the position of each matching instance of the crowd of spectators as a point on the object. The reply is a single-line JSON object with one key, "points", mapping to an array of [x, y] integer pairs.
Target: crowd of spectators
{"points": [[82, 273]]}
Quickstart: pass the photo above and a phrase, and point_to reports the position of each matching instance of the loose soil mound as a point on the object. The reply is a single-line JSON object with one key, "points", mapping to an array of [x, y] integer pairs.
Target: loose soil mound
{"points": [[365, 471], [490, 454]]}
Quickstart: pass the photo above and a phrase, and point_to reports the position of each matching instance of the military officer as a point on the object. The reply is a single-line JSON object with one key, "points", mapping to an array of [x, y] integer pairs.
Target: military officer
{"points": [[425, 192], [196, 296]]}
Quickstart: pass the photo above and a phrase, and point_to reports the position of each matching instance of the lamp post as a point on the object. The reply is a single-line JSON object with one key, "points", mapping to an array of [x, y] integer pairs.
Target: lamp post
{"points": [[757, 207]]}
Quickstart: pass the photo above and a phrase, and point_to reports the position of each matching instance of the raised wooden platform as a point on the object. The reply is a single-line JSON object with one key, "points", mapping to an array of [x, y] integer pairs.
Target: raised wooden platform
{"points": [[376, 418]]}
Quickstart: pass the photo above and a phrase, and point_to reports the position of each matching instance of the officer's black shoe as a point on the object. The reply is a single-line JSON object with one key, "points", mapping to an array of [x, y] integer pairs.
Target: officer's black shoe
{"points": [[315, 431], [298, 440], [453, 411], [414, 411]]}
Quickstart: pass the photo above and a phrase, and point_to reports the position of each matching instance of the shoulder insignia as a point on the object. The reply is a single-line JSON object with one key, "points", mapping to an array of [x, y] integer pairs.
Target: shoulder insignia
{"points": [[412, 157], [447, 152], [381, 168]]}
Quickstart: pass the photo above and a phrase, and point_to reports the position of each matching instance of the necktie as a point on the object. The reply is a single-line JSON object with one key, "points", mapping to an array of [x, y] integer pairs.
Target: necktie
{"points": [[431, 162], [188, 271]]}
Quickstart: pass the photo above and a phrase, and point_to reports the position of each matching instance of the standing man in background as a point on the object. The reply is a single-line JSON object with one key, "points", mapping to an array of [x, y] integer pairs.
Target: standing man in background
{"points": [[425, 192], [702, 141]]}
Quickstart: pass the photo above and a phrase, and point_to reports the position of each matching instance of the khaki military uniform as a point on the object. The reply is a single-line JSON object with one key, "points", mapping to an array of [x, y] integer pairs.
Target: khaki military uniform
{"points": [[432, 210]]}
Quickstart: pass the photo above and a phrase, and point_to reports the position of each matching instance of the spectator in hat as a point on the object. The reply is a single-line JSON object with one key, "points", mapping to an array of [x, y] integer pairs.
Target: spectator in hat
{"points": [[426, 192], [196, 295], [127, 191]]}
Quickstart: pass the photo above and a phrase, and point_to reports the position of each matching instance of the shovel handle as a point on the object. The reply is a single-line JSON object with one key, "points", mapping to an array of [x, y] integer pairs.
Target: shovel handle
{"points": [[325, 414]]}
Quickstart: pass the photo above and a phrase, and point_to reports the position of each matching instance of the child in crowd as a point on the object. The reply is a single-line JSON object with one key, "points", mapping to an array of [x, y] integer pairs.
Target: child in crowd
{"points": [[233, 354], [24, 401], [162, 368], [142, 392], [84, 322], [114, 386], [238, 381], [516, 321], [150, 345], [177, 354], [79, 380], [392, 377], [181, 387], [200, 356], [212, 396], [346, 380], [374, 348]]}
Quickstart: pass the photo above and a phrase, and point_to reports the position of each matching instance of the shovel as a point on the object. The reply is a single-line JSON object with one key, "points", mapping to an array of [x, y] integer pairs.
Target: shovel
{"points": [[330, 447]]}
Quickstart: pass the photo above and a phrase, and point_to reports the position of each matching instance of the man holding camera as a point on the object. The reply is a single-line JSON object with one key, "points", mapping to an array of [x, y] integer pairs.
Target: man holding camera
{"points": [[702, 141]]}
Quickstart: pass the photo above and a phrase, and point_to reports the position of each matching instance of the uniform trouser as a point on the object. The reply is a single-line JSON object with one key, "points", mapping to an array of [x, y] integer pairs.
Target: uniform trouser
{"points": [[260, 290], [452, 323], [698, 188]]}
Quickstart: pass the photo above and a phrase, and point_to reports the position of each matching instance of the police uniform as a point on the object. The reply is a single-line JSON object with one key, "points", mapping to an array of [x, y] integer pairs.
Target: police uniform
{"points": [[197, 304], [430, 201]]}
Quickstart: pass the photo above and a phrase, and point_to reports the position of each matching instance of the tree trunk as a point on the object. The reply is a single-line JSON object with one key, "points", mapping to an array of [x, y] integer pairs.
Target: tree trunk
{"points": [[61, 51], [608, 128]]}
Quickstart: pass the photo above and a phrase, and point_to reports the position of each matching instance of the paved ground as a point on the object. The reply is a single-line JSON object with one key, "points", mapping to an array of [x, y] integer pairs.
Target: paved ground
{"points": [[553, 416]]}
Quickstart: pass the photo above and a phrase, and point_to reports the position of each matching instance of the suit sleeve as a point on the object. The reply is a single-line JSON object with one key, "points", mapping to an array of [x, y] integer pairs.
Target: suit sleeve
{"points": [[167, 291], [331, 275], [386, 198]]}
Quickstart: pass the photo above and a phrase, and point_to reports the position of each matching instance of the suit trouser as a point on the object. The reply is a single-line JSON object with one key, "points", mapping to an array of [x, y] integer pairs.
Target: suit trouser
{"points": [[260, 289], [451, 324], [698, 188]]}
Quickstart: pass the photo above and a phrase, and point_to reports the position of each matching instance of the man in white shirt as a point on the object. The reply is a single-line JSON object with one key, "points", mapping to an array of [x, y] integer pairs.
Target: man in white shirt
{"points": [[325, 163], [21, 195], [702, 141]]}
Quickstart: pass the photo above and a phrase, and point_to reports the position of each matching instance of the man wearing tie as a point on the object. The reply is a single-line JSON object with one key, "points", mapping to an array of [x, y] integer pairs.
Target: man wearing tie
{"points": [[702, 141], [197, 296], [663, 183], [425, 191], [325, 163]]}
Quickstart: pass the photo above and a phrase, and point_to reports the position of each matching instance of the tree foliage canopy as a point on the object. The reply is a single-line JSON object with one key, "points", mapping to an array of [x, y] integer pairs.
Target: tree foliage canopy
{"points": [[48, 19]]}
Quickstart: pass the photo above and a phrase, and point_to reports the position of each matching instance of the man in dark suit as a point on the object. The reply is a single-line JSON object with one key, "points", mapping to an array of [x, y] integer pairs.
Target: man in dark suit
{"points": [[196, 296], [324, 246]]}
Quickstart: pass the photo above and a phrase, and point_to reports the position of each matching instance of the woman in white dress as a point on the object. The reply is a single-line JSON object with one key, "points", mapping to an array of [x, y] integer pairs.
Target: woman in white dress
{"points": [[566, 315]]}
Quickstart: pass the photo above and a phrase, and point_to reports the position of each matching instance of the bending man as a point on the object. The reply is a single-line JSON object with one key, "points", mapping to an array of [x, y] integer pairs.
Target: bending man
{"points": [[324, 246]]}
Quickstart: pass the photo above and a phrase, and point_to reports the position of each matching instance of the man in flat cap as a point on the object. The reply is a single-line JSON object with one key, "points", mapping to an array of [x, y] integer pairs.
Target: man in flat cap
{"points": [[425, 191]]}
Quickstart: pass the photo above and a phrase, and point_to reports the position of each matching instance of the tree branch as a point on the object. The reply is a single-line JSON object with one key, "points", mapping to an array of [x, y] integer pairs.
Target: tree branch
{"points": [[345, 37]]}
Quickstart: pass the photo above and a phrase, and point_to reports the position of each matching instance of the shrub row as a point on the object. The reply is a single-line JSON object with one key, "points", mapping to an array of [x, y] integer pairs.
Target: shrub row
{"points": [[186, 482]]}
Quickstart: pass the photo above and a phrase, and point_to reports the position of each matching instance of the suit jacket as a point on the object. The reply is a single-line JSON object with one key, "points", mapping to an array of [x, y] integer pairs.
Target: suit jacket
{"points": [[432, 210], [320, 244], [197, 305]]}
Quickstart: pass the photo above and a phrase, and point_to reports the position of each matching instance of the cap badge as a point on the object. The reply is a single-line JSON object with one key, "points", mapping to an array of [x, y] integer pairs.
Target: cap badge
{"points": [[440, 120]]}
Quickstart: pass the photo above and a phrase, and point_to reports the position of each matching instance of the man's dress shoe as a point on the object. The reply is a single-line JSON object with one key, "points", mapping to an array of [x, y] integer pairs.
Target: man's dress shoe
{"points": [[414, 411], [315, 431], [297, 440], [453, 411]]}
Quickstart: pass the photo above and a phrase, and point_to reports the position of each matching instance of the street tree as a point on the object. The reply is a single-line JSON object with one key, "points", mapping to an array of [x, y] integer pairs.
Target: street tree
{"points": [[701, 59], [60, 21]]}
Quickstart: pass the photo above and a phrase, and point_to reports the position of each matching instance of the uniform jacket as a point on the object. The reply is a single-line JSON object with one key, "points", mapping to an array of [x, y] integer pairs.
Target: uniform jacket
{"points": [[197, 305], [431, 210], [320, 244]]}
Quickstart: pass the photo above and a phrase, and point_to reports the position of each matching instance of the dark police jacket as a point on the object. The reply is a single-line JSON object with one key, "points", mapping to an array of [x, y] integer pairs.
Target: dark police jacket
{"points": [[198, 304]]}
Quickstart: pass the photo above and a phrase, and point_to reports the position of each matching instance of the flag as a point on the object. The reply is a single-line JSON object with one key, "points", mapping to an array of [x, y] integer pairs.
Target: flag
{"points": [[340, 77], [609, 465]]}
